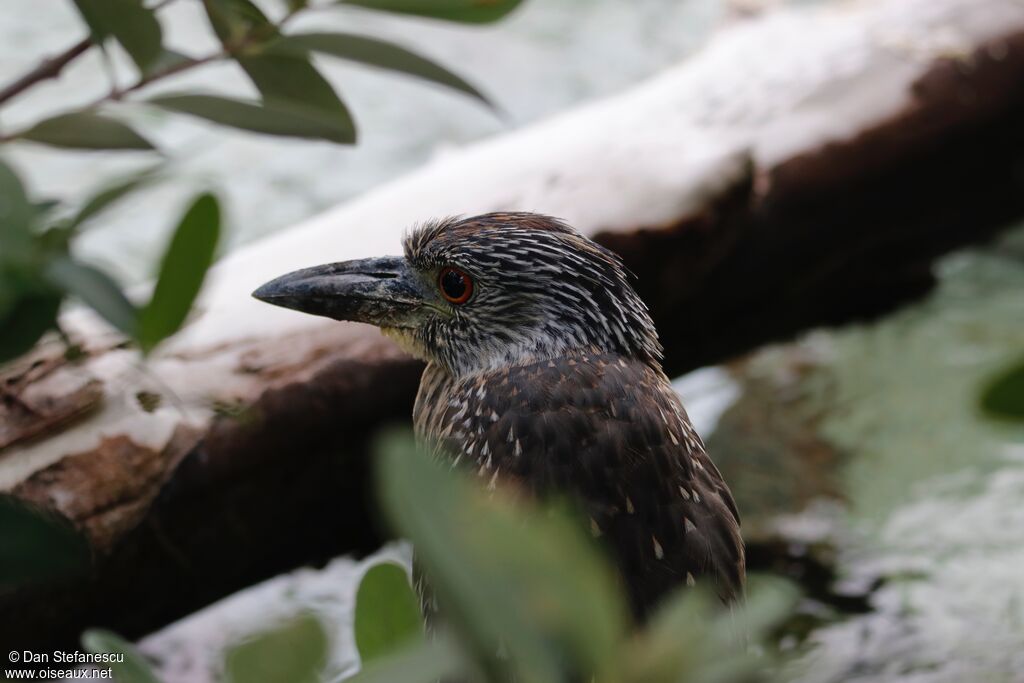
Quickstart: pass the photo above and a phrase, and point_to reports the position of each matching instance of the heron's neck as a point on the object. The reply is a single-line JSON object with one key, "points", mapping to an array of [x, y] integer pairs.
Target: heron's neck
{"points": [[515, 356]]}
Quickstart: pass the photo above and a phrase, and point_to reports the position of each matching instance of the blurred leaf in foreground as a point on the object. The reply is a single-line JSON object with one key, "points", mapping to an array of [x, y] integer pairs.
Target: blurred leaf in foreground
{"points": [[293, 653], [37, 545], [28, 307], [269, 118], [387, 612], [16, 216], [505, 573], [25, 321], [134, 25], [374, 52], [238, 23], [134, 669], [111, 194], [469, 11], [95, 288], [169, 59], [1003, 396], [285, 81], [293, 82], [692, 638], [86, 130], [182, 271], [423, 662], [522, 579]]}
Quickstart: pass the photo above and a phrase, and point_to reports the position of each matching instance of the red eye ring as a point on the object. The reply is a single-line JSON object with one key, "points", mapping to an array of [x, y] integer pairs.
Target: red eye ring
{"points": [[456, 285]]}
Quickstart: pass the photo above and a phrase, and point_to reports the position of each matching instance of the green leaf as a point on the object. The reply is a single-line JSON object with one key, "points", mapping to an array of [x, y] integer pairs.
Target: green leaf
{"points": [[238, 21], [293, 653], [1003, 395], [16, 216], [374, 52], [8, 294], [182, 271], [268, 118], [133, 669], [44, 206], [288, 80], [468, 11], [37, 545], [134, 25], [110, 195], [85, 130], [770, 600], [169, 59], [25, 321], [505, 572], [387, 612], [95, 288], [292, 81], [692, 638], [422, 662]]}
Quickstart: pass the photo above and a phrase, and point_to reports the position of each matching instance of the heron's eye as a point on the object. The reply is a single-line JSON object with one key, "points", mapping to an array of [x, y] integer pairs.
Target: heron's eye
{"points": [[456, 286]]}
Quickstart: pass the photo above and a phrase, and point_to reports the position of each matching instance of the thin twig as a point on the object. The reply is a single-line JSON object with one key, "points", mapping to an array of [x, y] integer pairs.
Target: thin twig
{"points": [[228, 51], [117, 94], [51, 68], [48, 68]]}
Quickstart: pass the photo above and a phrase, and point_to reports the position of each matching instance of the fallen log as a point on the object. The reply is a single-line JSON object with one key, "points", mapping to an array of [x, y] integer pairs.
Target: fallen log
{"points": [[804, 169]]}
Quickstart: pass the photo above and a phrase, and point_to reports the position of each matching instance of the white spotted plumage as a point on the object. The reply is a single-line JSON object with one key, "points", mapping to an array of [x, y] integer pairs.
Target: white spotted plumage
{"points": [[549, 377]]}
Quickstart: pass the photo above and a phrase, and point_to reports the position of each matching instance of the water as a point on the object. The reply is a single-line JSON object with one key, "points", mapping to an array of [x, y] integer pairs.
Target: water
{"points": [[928, 529]]}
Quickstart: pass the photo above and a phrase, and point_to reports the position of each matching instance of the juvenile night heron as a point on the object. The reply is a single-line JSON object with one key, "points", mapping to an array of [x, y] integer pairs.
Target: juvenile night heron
{"points": [[544, 369]]}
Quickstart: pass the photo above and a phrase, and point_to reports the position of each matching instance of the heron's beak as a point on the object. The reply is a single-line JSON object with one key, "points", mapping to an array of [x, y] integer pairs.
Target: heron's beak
{"points": [[380, 291]]}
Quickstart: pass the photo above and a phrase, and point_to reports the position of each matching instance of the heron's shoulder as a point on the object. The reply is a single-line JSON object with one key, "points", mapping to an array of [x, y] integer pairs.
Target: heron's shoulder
{"points": [[583, 380], [575, 402]]}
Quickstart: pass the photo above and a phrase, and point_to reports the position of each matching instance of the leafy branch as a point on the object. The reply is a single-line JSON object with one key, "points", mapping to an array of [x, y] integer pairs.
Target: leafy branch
{"points": [[47, 69], [1002, 397], [52, 67], [37, 268]]}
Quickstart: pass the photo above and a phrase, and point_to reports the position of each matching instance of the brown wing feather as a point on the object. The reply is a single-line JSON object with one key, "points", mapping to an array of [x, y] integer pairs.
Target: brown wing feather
{"points": [[612, 435]]}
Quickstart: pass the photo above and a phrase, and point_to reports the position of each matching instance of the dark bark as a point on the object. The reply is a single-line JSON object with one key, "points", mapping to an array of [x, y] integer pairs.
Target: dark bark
{"points": [[846, 233]]}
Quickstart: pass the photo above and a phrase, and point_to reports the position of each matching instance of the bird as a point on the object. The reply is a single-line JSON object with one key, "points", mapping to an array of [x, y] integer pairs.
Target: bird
{"points": [[543, 371]]}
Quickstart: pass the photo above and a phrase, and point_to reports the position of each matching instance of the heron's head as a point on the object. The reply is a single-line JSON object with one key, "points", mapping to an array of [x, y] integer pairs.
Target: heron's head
{"points": [[482, 293]]}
